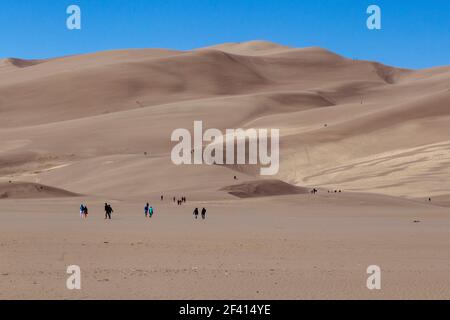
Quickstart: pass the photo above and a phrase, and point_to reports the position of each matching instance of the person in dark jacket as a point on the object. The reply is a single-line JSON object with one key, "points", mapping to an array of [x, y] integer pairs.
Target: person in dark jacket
{"points": [[147, 206], [108, 211], [196, 213], [203, 213]]}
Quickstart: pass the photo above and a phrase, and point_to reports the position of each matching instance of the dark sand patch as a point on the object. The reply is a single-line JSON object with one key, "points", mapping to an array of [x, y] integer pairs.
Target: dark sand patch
{"points": [[264, 188], [28, 190]]}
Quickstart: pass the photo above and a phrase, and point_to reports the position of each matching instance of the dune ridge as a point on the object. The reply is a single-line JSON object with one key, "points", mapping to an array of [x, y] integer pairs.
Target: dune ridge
{"points": [[332, 111], [27, 190]]}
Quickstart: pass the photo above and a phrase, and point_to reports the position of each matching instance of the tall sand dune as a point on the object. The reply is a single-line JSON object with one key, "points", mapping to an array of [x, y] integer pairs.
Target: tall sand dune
{"points": [[339, 118]]}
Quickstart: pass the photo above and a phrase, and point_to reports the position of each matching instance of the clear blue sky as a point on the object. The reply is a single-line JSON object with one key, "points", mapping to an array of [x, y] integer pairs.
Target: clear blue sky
{"points": [[415, 33]]}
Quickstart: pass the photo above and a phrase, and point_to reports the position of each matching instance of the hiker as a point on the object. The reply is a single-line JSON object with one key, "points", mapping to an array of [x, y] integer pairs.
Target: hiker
{"points": [[146, 209], [82, 210], [150, 212], [108, 211], [174, 199], [162, 198], [85, 212], [196, 213], [203, 213]]}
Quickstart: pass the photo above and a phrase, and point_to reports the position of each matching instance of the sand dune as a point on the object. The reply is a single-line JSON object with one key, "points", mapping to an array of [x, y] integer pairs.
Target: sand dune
{"points": [[24, 190], [332, 111], [99, 125]]}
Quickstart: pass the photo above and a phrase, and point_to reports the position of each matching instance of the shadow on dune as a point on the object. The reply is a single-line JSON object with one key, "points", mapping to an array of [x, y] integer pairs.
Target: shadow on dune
{"points": [[28, 190], [263, 188]]}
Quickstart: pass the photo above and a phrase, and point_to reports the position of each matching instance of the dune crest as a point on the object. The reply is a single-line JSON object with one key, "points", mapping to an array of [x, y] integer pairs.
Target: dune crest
{"points": [[27, 190], [335, 115]]}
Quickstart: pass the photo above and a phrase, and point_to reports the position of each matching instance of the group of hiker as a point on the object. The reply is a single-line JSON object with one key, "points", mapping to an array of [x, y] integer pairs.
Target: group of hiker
{"points": [[179, 201], [148, 210], [83, 211], [314, 191], [203, 213]]}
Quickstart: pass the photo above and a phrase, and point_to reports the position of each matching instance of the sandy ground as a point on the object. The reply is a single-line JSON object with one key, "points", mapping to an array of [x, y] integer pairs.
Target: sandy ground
{"points": [[290, 247]]}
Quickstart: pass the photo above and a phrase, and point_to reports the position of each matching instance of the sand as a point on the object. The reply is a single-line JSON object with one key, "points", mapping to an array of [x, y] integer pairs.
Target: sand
{"points": [[290, 247], [99, 125]]}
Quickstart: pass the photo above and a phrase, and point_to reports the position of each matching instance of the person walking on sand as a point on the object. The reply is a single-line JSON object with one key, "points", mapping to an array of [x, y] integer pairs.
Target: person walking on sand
{"points": [[108, 211], [85, 212], [82, 210], [150, 212], [147, 206], [196, 213], [203, 213]]}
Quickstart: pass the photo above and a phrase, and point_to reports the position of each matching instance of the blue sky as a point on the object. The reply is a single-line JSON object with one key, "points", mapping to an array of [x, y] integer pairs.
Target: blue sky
{"points": [[415, 34]]}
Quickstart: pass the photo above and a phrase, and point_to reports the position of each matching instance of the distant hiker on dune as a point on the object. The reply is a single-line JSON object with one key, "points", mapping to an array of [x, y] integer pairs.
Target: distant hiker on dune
{"points": [[85, 212], [196, 213]]}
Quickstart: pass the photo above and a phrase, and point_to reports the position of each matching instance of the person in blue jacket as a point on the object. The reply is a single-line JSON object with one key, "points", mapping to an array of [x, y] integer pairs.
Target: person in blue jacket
{"points": [[146, 208]]}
